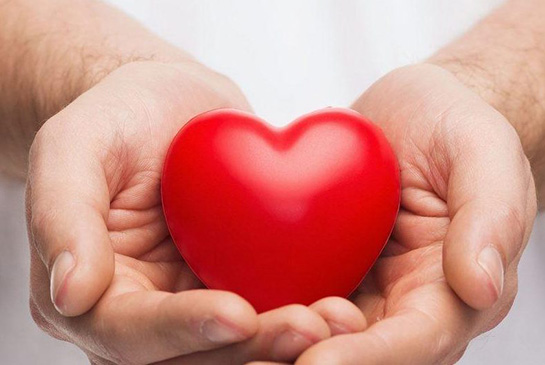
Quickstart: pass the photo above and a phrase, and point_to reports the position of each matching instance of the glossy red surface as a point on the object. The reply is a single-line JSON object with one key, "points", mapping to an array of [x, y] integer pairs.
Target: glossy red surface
{"points": [[280, 216]]}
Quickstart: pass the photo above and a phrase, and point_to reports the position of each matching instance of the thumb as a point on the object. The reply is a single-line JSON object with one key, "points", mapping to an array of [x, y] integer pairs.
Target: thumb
{"points": [[67, 206], [492, 204]]}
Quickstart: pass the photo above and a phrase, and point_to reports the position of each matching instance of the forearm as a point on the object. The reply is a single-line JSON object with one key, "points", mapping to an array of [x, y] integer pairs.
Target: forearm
{"points": [[54, 50], [503, 59]]}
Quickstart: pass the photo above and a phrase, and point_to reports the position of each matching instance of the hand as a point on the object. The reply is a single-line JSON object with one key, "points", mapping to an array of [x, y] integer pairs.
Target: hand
{"points": [[468, 203], [100, 243]]}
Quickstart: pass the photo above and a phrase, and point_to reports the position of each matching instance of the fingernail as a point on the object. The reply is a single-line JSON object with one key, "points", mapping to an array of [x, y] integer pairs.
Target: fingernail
{"points": [[64, 263], [491, 262], [289, 344], [219, 332]]}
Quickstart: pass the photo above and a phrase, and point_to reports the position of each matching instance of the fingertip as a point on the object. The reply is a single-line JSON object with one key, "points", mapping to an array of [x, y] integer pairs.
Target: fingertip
{"points": [[492, 273], [341, 315], [476, 248], [304, 320], [84, 268], [478, 281], [304, 328], [235, 312], [73, 242], [78, 283], [61, 271]]}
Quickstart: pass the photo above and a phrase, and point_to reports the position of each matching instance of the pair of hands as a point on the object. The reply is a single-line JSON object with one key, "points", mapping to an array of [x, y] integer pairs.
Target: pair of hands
{"points": [[106, 276]]}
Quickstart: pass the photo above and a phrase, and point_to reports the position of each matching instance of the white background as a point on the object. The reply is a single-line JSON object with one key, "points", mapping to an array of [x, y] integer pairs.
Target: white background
{"points": [[289, 57]]}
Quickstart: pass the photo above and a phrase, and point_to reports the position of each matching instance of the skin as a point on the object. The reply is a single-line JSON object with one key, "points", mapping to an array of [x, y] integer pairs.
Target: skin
{"points": [[103, 268], [93, 192]]}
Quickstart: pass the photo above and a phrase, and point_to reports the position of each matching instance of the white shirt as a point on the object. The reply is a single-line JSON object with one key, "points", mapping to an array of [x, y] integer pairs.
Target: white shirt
{"points": [[289, 57]]}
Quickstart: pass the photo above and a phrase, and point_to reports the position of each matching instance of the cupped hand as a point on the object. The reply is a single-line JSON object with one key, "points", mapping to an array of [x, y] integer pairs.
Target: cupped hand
{"points": [[468, 203], [104, 272]]}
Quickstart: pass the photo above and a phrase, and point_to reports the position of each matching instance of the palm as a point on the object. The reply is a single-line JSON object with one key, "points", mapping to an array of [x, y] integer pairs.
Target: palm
{"points": [[146, 258], [409, 272], [407, 282]]}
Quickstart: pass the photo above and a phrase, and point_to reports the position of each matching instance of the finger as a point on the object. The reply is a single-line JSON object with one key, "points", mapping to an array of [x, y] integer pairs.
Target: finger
{"points": [[67, 203], [432, 332], [341, 315], [283, 335], [149, 326], [492, 204]]}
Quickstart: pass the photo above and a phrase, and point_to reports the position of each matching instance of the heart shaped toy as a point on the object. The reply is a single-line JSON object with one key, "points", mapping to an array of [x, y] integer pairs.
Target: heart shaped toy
{"points": [[280, 216]]}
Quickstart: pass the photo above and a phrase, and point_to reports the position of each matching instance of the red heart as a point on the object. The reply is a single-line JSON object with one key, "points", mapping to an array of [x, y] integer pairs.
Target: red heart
{"points": [[280, 216]]}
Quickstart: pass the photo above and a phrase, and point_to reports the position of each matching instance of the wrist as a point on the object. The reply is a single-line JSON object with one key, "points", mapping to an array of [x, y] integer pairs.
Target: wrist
{"points": [[518, 95], [58, 49], [54, 51], [57, 87], [502, 60]]}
